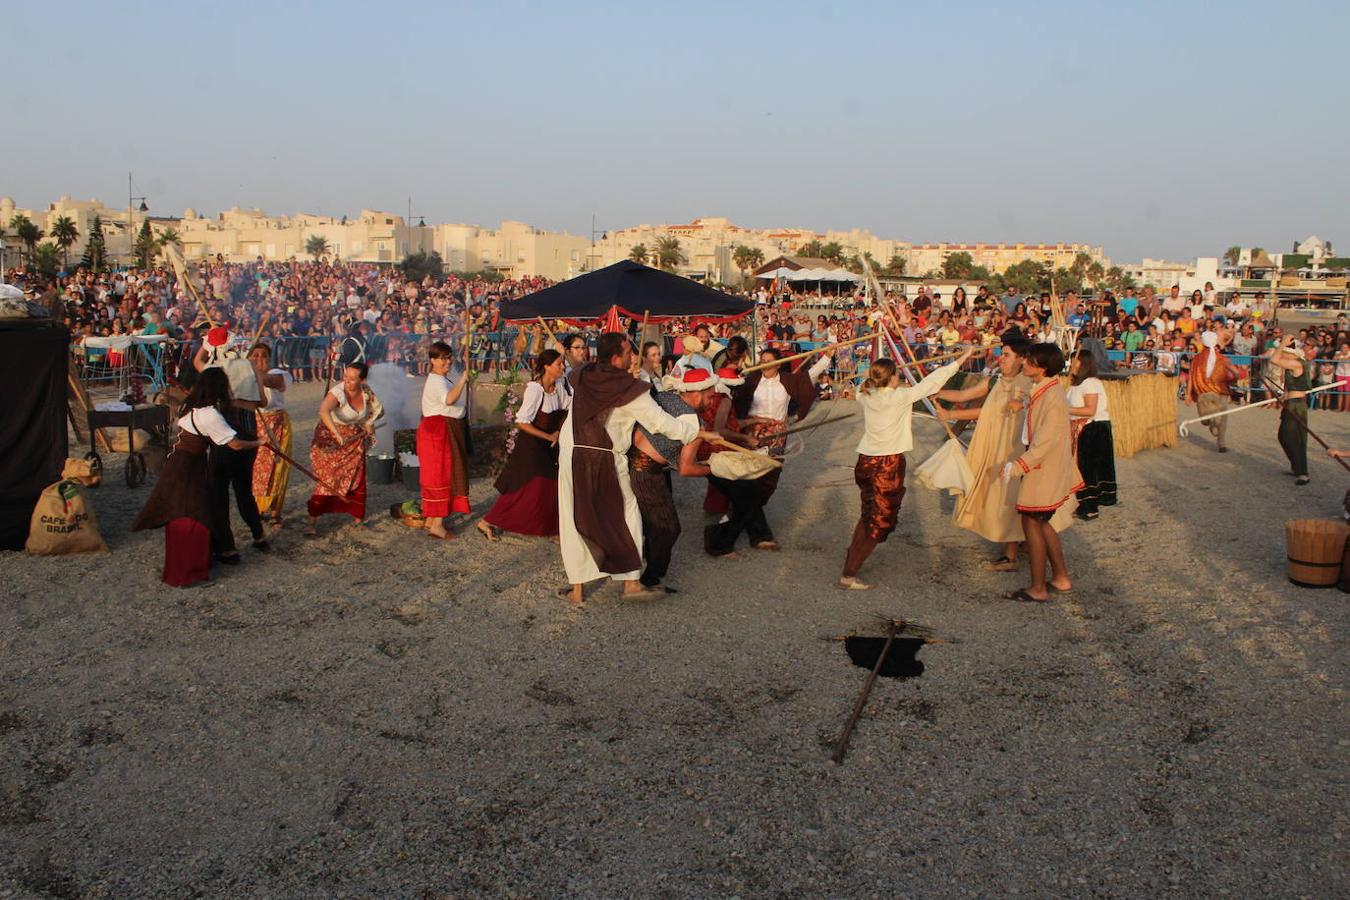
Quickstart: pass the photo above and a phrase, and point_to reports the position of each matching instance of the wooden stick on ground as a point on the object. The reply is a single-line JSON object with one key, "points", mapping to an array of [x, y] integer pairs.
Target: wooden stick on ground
{"points": [[842, 746]]}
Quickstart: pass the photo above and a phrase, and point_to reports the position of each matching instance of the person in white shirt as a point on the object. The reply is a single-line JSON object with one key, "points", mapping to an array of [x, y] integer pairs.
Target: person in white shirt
{"points": [[271, 473], [1174, 303], [765, 398], [441, 448], [888, 408], [195, 521], [1090, 422]]}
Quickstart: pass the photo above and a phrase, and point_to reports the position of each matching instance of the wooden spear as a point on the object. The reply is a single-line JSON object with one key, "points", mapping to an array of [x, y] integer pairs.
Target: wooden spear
{"points": [[797, 356], [842, 746]]}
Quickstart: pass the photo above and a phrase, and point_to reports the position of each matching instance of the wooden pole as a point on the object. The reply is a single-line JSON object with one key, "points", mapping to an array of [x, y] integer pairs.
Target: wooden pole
{"points": [[842, 746], [1302, 423], [549, 330], [797, 356]]}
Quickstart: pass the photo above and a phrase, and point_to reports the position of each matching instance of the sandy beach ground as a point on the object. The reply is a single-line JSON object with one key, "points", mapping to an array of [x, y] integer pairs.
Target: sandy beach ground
{"points": [[372, 713]]}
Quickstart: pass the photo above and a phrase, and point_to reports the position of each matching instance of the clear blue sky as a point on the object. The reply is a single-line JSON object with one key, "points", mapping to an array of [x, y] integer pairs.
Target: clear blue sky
{"points": [[1168, 130]]}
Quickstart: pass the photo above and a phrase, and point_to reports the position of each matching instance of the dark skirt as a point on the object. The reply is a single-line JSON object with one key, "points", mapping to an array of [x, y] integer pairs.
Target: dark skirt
{"points": [[528, 483], [182, 489], [881, 482], [1097, 465], [187, 552]]}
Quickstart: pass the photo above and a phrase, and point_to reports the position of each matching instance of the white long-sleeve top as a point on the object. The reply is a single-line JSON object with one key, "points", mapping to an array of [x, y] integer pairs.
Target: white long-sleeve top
{"points": [[578, 559], [888, 413], [771, 398]]}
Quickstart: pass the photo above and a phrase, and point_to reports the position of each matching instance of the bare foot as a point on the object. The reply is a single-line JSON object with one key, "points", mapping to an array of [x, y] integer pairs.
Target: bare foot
{"points": [[487, 531], [572, 595], [1061, 585]]}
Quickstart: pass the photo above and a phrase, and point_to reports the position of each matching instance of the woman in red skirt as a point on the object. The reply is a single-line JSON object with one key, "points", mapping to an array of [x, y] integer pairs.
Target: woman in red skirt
{"points": [[529, 483], [337, 453], [181, 500], [441, 455]]}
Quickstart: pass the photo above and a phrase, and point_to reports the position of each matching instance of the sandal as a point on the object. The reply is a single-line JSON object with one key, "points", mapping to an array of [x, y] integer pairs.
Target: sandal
{"points": [[440, 537], [852, 584], [1022, 596], [487, 531], [1059, 590], [1301, 480], [1002, 564], [771, 546]]}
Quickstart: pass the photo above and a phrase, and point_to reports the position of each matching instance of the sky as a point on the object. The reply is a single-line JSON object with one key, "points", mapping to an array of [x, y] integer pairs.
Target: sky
{"points": [[1169, 130]]}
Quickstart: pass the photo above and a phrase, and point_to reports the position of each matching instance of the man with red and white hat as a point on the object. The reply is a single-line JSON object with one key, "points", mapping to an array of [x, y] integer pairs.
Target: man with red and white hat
{"points": [[650, 462]]}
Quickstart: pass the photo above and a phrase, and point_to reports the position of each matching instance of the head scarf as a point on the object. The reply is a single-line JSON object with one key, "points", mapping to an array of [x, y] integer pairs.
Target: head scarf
{"points": [[1211, 341]]}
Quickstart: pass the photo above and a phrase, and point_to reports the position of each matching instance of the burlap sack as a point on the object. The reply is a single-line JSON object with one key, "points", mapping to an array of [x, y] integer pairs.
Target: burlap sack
{"points": [[117, 437], [63, 522], [87, 472], [735, 466]]}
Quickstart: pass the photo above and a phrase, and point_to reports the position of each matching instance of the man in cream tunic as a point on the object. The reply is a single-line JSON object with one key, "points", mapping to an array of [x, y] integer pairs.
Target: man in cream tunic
{"points": [[585, 558]]}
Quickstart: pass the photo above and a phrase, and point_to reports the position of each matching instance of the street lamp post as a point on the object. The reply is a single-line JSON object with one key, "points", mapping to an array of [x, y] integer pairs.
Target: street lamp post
{"points": [[131, 221]]}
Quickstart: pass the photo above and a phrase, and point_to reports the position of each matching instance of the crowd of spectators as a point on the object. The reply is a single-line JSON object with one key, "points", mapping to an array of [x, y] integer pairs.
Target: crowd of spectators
{"points": [[313, 312]]}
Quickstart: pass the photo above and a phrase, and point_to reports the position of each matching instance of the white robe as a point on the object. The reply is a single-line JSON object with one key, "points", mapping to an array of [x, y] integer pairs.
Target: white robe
{"points": [[576, 553]]}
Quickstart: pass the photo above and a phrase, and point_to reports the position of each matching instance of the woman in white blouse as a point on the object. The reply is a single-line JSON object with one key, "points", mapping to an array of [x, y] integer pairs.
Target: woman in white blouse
{"points": [[529, 482], [888, 409], [181, 502], [441, 442], [1090, 424], [347, 418]]}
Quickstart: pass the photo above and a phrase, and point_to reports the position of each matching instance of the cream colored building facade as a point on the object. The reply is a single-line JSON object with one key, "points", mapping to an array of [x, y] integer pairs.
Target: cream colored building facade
{"points": [[515, 249], [998, 258], [708, 245]]}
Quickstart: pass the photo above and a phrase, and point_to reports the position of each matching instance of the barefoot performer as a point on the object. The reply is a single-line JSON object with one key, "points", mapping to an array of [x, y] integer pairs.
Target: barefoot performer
{"points": [[441, 456], [888, 411], [528, 483], [1048, 471], [989, 508], [599, 522]]}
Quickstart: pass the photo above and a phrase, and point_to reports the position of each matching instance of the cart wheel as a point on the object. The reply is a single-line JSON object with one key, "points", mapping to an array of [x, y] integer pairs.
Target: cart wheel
{"points": [[135, 470]]}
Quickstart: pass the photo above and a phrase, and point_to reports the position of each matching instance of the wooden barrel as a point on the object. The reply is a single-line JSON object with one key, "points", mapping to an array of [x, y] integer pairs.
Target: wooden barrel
{"points": [[1315, 549]]}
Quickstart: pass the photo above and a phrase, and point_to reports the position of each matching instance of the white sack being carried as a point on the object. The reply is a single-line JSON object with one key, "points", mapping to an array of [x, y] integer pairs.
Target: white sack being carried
{"points": [[946, 469], [735, 466]]}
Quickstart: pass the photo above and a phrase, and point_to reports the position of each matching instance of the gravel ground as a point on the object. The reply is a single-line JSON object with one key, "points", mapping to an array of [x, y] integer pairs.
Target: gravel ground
{"points": [[375, 713]]}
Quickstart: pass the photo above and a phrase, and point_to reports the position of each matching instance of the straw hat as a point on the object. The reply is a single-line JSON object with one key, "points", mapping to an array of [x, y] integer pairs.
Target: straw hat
{"points": [[692, 344]]}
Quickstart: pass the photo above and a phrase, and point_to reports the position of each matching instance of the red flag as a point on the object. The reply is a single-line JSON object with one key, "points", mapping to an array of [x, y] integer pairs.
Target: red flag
{"points": [[611, 320]]}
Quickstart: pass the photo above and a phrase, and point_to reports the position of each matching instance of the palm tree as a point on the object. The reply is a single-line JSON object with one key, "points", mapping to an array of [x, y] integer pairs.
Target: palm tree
{"points": [[26, 231], [65, 234], [810, 248], [747, 258], [1231, 255], [897, 264], [639, 254], [1094, 274], [833, 251], [45, 260], [669, 256], [170, 236], [316, 246]]}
